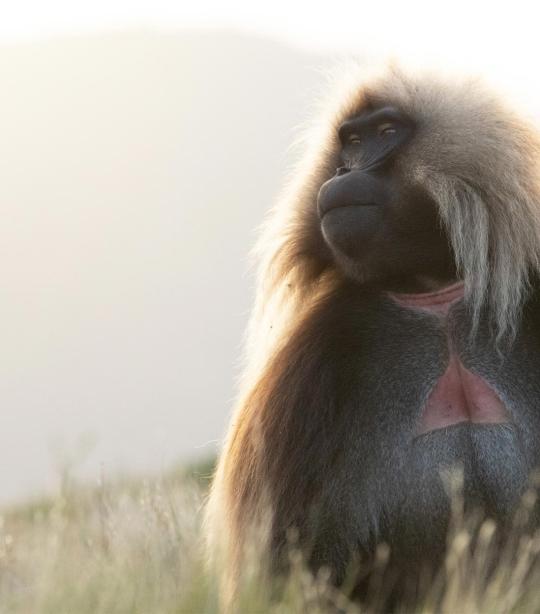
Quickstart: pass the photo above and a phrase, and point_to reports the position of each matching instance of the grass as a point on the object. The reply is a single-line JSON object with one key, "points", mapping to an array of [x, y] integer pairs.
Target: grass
{"points": [[129, 546], [134, 546]]}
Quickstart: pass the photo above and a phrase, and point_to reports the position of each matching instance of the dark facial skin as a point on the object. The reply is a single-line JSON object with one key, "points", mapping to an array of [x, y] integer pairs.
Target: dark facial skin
{"points": [[378, 226]]}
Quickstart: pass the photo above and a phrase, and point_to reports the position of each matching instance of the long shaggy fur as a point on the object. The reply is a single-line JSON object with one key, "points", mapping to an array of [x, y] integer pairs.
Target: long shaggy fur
{"points": [[478, 160]]}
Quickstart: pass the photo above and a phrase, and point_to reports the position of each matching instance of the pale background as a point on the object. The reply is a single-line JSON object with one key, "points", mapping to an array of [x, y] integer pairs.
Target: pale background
{"points": [[140, 144]]}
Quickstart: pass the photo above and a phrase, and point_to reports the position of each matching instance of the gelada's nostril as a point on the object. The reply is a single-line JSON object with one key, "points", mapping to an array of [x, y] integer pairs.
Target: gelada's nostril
{"points": [[342, 170]]}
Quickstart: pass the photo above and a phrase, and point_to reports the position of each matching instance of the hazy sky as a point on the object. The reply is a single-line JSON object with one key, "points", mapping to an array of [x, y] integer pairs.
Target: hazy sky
{"points": [[117, 233], [462, 27], [128, 209], [497, 38]]}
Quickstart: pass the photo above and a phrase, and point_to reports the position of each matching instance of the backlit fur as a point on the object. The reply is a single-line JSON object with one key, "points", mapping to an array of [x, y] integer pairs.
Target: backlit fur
{"points": [[477, 158]]}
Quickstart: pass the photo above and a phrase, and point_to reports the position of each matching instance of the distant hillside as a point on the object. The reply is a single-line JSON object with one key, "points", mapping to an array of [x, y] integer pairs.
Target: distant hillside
{"points": [[134, 169]]}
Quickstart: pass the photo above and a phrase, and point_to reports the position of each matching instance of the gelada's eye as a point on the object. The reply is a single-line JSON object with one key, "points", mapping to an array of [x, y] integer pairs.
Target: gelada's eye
{"points": [[354, 139], [386, 129]]}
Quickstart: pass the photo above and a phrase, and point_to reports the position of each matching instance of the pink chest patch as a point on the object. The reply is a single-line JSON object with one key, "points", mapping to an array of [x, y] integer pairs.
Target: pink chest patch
{"points": [[459, 395]]}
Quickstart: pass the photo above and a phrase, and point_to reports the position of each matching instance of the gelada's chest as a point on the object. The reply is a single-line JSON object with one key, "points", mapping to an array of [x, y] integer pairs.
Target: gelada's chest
{"points": [[468, 378]]}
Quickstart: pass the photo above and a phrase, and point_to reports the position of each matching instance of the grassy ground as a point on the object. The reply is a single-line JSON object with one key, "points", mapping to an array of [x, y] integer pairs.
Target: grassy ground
{"points": [[134, 546]]}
